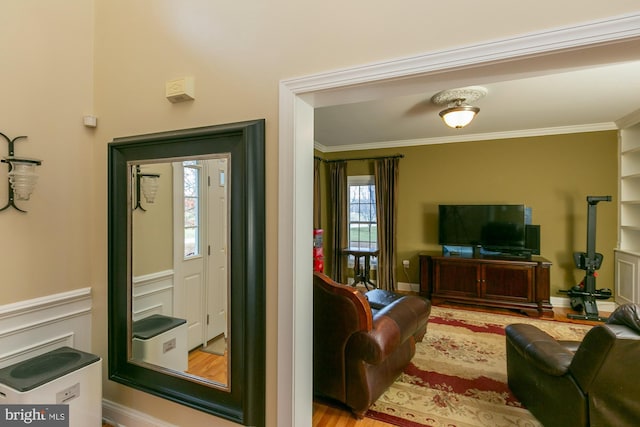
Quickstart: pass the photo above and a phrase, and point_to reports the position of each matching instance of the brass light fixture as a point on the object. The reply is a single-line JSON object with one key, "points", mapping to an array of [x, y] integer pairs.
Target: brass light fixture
{"points": [[22, 174], [459, 114]]}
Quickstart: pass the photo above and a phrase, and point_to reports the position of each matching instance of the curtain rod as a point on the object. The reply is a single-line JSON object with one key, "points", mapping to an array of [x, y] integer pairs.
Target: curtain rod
{"points": [[396, 156]]}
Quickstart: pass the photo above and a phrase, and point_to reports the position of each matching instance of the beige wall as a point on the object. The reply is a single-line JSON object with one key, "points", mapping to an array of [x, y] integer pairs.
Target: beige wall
{"points": [[46, 81], [153, 228], [551, 174], [58, 64]]}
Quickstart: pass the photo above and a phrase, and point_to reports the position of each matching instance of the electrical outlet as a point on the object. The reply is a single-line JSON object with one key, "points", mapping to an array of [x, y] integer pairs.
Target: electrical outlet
{"points": [[405, 263]]}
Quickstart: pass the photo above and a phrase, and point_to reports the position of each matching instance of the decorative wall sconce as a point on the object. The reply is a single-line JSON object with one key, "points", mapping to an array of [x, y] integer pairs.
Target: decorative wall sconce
{"points": [[22, 174], [147, 184]]}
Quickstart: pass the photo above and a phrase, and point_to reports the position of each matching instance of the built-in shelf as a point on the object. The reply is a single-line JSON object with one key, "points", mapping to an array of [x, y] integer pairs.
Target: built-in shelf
{"points": [[633, 252], [627, 256], [631, 151]]}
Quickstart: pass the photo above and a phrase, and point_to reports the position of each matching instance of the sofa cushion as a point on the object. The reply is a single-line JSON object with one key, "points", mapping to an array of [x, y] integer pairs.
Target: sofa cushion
{"points": [[379, 298]]}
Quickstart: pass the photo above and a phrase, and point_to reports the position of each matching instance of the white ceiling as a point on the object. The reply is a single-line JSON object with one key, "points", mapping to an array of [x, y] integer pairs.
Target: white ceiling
{"points": [[570, 93]]}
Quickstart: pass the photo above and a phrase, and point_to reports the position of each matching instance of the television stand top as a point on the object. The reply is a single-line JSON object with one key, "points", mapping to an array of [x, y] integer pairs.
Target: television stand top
{"points": [[479, 252], [507, 256]]}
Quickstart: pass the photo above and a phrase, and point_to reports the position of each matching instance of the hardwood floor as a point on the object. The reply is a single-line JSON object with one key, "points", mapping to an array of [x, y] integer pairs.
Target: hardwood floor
{"points": [[331, 415], [208, 366]]}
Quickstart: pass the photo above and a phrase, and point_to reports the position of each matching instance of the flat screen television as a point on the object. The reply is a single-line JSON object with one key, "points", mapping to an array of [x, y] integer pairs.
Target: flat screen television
{"points": [[498, 228]]}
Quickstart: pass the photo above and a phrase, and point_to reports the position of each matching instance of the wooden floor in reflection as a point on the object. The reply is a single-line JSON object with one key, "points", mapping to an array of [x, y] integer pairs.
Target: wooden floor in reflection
{"points": [[208, 366]]}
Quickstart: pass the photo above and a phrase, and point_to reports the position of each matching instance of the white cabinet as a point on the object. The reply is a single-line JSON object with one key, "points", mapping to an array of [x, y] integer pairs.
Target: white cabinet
{"points": [[627, 256], [627, 267]]}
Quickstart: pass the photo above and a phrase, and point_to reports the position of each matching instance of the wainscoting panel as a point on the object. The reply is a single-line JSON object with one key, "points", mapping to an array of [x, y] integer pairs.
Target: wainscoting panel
{"points": [[153, 294], [32, 327]]}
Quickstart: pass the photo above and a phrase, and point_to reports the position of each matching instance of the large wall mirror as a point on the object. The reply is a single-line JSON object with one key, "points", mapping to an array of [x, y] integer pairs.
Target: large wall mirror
{"points": [[187, 267]]}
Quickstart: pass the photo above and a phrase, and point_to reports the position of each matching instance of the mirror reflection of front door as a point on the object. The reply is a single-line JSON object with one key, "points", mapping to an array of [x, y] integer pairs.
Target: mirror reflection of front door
{"points": [[189, 262], [200, 234], [217, 221]]}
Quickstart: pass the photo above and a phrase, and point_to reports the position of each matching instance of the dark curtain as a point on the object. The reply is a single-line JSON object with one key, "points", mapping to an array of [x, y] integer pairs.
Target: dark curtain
{"points": [[386, 181], [338, 200], [317, 201]]}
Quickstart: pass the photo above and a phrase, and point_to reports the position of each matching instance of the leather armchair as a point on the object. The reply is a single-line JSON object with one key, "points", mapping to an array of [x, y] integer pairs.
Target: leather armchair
{"points": [[357, 354], [595, 382]]}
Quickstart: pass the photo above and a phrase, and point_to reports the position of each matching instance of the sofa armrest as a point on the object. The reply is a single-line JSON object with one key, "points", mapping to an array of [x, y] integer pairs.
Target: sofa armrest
{"points": [[410, 313], [539, 348], [628, 315], [602, 346], [392, 326], [375, 345]]}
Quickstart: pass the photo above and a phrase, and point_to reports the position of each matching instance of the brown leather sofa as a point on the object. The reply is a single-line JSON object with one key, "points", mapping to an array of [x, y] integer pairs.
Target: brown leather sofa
{"points": [[595, 382], [358, 352]]}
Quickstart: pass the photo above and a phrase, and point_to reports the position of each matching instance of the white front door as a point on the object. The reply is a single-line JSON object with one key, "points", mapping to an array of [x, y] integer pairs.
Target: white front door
{"points": [[201, 248], [218, 250], [189, 258]]}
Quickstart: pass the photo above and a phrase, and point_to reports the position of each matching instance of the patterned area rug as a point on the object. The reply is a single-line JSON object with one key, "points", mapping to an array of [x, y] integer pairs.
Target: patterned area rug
{"points": [[458, 377]]}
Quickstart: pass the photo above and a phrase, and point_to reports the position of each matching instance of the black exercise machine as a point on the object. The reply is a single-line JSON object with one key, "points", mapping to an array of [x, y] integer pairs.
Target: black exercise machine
{"points": [[584, 295]]}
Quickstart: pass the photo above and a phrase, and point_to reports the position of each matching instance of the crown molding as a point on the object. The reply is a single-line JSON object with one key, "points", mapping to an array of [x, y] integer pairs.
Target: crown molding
{"points": [[608, 30], [525, 133], [629, 120]]}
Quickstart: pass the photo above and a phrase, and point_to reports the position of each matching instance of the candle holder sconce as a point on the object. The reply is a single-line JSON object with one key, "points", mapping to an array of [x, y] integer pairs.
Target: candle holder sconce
{"points": [[22, 174]]}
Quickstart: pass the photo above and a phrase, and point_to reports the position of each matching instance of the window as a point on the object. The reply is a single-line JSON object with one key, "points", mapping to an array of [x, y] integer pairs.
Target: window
{"points": [[191, 175], [363, 226]]}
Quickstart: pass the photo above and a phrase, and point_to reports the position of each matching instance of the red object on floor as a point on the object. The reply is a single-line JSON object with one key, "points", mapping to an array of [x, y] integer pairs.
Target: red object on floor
{"points": [[318, 252]]}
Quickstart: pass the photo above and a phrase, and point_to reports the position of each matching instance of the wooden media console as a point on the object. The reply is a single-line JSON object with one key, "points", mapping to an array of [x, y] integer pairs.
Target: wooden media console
{"points": [[516, 284]]}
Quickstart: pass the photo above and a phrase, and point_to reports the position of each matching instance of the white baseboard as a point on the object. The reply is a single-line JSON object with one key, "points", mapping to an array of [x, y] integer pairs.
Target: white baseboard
{"points": [[408, 287], [605, 306], [122, 416]]}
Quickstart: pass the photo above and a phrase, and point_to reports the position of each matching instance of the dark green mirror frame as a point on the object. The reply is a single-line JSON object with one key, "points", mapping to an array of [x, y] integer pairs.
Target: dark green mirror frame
{"points": [[244, 402]]}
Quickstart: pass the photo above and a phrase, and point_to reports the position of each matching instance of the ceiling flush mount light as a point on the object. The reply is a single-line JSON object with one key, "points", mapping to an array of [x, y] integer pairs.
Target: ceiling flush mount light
{"points": [[22, 174], [147, 184], [458, 114]]}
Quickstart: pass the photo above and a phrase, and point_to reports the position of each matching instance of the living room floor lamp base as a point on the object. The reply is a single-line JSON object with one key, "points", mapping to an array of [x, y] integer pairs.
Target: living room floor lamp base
{"points": [[22, 175]]}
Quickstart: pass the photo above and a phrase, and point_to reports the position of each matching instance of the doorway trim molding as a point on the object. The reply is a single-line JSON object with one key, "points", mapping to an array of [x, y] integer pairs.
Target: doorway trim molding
{"points": [[298, 98]]}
